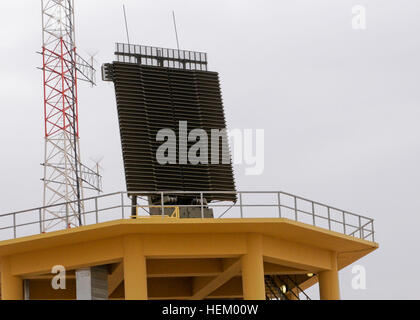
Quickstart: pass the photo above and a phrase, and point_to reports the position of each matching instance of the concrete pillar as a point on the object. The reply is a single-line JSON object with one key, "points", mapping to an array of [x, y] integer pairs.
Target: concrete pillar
{"points": [[92, 283], [329, 287], [135, 274], [11, 286], [253, 269]]}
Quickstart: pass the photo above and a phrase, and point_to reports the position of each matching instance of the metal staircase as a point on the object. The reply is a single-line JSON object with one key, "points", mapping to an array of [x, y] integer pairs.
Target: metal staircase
{"points": [[283, 288], [272, 290]]}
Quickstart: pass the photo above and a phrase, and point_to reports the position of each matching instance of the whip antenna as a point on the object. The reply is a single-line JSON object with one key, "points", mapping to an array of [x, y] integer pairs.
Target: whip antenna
{"points": [[176, 29], [126, 25]]}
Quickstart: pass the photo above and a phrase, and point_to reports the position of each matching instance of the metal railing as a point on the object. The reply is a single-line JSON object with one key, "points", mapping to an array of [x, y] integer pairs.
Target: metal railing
{"points": [[162, 57], [299, 290], [257, 204]]}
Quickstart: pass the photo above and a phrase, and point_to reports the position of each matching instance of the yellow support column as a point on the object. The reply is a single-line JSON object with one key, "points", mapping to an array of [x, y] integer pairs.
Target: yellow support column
{"points": [[329, 287], [11, 286], [253, 269], [135, 274]]}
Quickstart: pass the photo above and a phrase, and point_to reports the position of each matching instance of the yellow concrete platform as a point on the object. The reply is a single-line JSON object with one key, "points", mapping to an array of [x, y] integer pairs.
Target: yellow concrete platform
{"points": [[181, 259]]}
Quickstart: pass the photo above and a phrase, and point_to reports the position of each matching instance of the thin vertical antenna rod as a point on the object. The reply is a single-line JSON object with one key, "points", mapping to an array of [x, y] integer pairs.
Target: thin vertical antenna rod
{"points": [[126, 25], [176, 29]]}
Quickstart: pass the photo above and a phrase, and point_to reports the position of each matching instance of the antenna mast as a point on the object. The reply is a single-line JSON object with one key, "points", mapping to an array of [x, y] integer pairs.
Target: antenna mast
{"points": [[65, 177], [126, 25], [176, 29]]}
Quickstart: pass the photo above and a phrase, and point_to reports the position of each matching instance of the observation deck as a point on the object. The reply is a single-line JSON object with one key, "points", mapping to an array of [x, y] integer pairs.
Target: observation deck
{"points": [[263, 234]]}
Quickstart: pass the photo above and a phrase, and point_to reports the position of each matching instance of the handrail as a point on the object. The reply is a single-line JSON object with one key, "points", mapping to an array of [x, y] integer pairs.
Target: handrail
{"points": [[298, 288], [282, 204]]}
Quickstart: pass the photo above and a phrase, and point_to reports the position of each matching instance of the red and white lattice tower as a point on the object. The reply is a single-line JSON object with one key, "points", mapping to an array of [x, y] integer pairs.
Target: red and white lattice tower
{"points": [[65, 178]]}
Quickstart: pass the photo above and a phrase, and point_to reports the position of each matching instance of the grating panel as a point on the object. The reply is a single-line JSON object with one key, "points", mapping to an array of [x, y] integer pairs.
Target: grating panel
{"points": [[151, 98]]}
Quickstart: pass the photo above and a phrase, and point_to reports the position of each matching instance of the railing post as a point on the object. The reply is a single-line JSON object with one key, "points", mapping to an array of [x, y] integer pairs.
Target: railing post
{"points": [[67, 215], [14, 226], [373, 231], [344, 222], [122, 204], [202, 205], [329, 219], [240, 205], [360, 228], [279, 203], [296, 210], [96, 210], [313, 214], [163, 204], [40, 221]]}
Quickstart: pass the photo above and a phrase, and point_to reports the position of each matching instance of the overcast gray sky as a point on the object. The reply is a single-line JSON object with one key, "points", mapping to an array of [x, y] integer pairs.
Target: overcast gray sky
{"points": [[340, 107]]}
